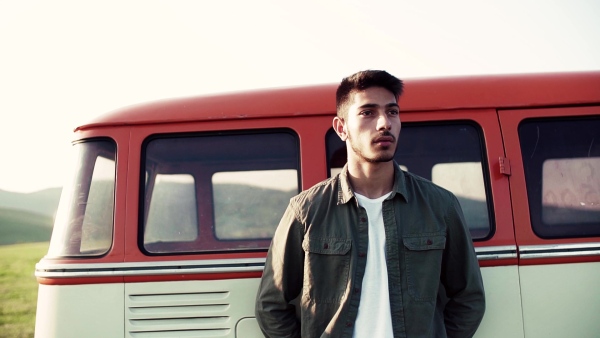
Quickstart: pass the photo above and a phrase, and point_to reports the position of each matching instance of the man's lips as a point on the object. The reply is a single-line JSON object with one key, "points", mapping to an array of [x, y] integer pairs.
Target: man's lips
{"points": [[384, 140]]}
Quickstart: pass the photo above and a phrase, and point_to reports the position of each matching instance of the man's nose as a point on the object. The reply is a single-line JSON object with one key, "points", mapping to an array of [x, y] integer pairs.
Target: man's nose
{"points": [[384, 122]]}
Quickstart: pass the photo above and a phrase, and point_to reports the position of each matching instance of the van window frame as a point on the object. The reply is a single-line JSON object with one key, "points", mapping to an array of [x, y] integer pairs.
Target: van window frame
{"points": [[539, 228], [89, 181], [143, 211]]}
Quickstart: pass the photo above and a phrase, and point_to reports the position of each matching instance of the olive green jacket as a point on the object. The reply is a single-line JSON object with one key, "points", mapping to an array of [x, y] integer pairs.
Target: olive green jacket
{"points": [[318, 254]]}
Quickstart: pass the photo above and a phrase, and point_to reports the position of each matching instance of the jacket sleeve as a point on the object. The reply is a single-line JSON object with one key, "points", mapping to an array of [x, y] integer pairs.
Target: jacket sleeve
{"points": [[461, 278], [282, 279]]}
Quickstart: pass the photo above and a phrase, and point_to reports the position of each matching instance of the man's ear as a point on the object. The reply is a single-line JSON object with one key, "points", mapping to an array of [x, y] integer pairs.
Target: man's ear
{"points": [[340, 128]]}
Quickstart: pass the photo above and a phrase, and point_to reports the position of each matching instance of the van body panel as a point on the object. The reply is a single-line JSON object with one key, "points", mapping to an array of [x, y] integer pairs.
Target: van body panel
{"points": [[503, 300], [189, 308], [248, 328], [554, 295], [94, 310]]}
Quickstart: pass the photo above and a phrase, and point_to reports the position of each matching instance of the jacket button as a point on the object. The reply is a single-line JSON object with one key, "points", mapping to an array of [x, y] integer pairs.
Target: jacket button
{"points": [[363, 219], [361, 254], [326, 246], [349, 324], [356, 290], [429, 242]]}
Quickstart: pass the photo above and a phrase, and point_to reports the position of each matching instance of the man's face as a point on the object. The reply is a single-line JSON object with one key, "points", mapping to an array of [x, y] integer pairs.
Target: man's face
{"points": [[372, 125]]}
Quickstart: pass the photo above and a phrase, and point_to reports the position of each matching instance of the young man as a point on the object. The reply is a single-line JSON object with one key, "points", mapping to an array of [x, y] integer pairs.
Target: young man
{"points": [[373, 251]]}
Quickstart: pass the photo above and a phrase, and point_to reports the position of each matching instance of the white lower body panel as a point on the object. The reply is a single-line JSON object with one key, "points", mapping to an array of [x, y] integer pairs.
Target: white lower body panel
{"points": [[503, 317], [75, 311], [561, 300]]}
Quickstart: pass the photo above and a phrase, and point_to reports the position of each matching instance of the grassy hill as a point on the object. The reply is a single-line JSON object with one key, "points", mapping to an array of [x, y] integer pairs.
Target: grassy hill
{"points": [[43, 202], [18, 226]]}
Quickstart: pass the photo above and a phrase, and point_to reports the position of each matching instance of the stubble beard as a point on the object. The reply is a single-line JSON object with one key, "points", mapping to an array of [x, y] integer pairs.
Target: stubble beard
{"points": [[379, 157]]}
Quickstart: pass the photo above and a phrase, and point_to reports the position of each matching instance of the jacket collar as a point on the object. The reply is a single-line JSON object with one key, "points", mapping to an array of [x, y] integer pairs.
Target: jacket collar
{"points": [[345, 192]]}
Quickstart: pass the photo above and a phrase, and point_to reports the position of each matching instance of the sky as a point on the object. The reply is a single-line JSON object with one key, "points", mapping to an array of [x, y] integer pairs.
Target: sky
{"points": [[63, 62]]}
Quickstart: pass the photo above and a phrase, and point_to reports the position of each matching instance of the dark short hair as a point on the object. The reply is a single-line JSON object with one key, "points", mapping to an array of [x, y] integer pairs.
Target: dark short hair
{"points": [[363, 80]]}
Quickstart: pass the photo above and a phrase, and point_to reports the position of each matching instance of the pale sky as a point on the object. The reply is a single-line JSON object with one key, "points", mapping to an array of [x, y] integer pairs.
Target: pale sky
{"points": [[65, 62]]}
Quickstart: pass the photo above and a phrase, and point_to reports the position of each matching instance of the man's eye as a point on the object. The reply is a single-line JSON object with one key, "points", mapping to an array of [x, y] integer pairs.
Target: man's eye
{"points": [[366, 112], [393, 112]]}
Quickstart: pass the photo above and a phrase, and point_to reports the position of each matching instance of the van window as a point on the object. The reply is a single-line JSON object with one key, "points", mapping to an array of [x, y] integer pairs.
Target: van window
{"points": [[451, 155], [561, 158], [248, 203], [173, 202], [84, 219], [210, 192]]}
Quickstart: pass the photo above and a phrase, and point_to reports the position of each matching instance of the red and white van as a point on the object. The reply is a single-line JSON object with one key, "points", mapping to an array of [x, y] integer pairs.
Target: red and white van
{"points": [[164, 227]]}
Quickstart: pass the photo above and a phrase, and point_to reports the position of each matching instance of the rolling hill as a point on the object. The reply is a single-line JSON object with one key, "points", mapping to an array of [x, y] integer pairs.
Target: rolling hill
{"points": [[44, 202], [18, 226], [27, 217]]}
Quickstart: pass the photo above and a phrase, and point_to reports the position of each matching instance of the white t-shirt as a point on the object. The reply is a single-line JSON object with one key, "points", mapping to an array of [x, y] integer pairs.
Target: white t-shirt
{"points": [[374, 317]]}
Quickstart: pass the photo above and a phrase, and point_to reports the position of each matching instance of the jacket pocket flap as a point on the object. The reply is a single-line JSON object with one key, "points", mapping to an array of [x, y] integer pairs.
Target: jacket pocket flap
{"points": [[326, 246], [425, 242]]}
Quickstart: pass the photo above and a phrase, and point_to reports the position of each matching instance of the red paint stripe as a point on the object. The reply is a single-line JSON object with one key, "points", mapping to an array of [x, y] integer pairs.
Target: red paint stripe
{"points": [[146, 278], [497, 262], [79, 280], [560, 260]]}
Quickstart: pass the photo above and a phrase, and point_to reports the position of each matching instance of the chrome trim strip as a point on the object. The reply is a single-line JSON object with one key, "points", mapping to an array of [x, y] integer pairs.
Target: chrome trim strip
{"points": [[50, 270], [496, 252], [559, 250]]}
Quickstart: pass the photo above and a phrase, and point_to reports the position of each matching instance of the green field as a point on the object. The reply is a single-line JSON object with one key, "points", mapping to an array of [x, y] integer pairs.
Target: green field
{"points": [[18, 288]]}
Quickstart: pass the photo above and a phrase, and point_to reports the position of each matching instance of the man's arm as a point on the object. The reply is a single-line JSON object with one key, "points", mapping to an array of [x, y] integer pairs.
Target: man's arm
{"points": [[282, 279], [461, 277]]}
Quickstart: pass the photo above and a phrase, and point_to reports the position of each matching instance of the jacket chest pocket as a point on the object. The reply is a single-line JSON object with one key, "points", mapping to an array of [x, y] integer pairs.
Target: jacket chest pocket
{"points": [[423, 257], [326, 268]]}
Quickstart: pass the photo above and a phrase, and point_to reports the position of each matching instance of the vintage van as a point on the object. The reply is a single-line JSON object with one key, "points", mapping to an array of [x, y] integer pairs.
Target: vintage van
{"points": [[164, 227]]}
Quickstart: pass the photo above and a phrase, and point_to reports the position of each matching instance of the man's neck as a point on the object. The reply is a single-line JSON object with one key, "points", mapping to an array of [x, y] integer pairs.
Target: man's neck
{"points": [[372, 180]]}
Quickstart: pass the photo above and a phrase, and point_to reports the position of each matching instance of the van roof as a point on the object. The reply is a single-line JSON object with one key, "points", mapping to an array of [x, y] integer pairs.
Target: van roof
{"points": [[447, 93]]}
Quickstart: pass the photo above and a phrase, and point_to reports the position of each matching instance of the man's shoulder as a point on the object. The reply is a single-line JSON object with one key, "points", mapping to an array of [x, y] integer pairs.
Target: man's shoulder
{"points": [[320, 191], [316, 202]]}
